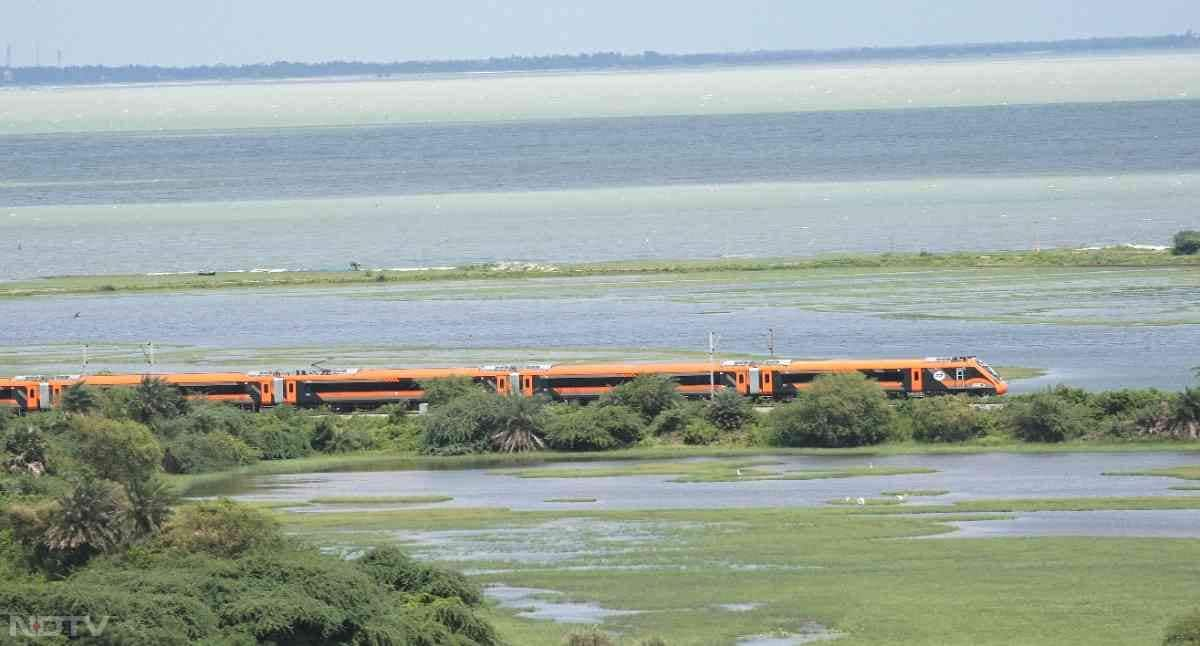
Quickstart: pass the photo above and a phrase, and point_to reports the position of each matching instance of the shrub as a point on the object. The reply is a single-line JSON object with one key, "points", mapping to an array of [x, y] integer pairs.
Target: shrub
{"points": [[728, 410], [1184, 631], [322, 434], [221, 528], [673, 420], [700, 432], [115, 450], [439, 392], [276, 440], [155, 399], [836, 411], [592, 637], [945, 419], [398, 571], [212, 452], [205, 418], [594, 428], [1186, 243], [352, 439], [648, 395], [1047, 417], [1127, 401], [459, 425]]}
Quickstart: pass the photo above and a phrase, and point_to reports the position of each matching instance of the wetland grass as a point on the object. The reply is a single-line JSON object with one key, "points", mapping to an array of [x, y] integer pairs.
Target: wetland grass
{"points": [[833, 566]]}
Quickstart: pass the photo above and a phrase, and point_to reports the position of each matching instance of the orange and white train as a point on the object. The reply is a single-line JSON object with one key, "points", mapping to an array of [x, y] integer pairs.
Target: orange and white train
{"points": [[353, 389]]}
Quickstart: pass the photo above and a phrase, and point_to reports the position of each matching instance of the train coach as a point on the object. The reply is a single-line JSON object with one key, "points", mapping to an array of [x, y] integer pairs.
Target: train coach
{"points": [[344, 390]]}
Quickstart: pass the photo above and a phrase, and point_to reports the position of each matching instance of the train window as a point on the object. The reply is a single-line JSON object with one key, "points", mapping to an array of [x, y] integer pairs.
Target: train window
{"points": [[741, 378]]}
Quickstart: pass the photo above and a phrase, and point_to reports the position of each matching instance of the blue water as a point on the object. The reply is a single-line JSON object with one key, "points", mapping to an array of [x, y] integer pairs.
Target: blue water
{"points": [[1010, 141]]}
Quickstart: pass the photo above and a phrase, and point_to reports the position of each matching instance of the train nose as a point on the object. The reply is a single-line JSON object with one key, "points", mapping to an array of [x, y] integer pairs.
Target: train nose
{"points": [[1001, 388]]}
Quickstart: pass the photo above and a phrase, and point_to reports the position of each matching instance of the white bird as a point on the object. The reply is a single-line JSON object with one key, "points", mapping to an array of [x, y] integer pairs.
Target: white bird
{"points": [[871, 465], [847, 499], [861, 500], [739, 472], [900, 497]]}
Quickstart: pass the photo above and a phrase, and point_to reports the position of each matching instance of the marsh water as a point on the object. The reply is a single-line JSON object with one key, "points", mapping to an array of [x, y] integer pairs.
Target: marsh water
{"points": [[965, 477]]}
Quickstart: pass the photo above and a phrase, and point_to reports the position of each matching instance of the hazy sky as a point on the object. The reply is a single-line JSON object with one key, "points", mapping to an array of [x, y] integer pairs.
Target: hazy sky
{"points": [[183, 32]]}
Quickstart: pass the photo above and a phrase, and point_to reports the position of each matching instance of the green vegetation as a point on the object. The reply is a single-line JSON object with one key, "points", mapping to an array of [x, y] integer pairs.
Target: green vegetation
{"points": [[570, 500], [1184, 631], [1183, 473], [1109, 257], [1186, 243], [914, 493], [837, 566], [89, 527], [837, 411]]}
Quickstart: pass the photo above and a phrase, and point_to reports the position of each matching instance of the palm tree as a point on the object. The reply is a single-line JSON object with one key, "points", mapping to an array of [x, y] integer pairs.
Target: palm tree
{"points": [[1186, 413], [156, 399], [91, 519], [150, 503], [518, 421], [78, 399]]}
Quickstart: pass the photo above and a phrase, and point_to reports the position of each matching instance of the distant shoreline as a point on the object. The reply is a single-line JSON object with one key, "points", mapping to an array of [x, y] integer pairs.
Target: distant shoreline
{"points": [[598, 61]]}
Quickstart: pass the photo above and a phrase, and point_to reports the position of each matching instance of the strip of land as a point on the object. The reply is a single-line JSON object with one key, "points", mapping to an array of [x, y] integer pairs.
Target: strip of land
{"points": [[1082, 258]]}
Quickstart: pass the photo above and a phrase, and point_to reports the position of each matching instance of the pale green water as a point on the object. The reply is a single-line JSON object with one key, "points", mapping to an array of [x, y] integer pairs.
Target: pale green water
{"points": [[516, 97], [730, 220]]}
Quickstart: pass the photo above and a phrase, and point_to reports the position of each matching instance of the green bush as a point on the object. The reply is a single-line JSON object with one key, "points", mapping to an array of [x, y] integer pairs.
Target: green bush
{"points": [[1048, 417], [945, 419], [1186, 243], [352, 439], [647, 394], [393, 568], [591, 637], [205, 418], [700, 432], [1184, 631], [276, 440], [439, 392], [1127, 401], [121, 451], [212, 452], [673, 420], [459, 425], [221, 528], [593, 428], [729, 411], [836, 411]]}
